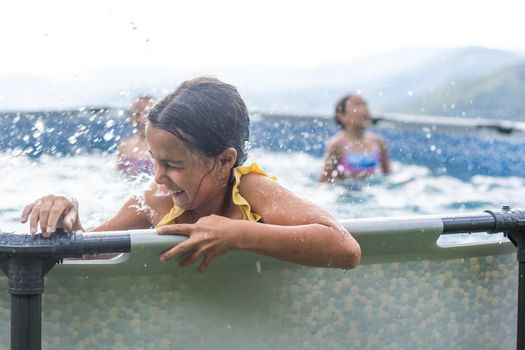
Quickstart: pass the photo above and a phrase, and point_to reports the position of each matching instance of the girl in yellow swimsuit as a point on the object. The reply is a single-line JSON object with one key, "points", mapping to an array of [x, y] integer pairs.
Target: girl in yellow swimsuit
{"points": [[197, 137]]}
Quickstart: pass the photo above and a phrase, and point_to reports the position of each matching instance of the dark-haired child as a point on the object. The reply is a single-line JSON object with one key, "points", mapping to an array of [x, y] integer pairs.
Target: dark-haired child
{"points": [[354, 152], [197, 137], [133, 157]]}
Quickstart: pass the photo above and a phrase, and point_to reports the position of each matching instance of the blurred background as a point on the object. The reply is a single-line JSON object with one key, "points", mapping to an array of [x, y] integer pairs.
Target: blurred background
{"points": [[450, 58], [70, 70]]}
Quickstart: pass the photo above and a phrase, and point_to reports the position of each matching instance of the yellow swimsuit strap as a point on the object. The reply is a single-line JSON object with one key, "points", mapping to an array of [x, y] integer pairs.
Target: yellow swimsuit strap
{"points": [[238, 200]]}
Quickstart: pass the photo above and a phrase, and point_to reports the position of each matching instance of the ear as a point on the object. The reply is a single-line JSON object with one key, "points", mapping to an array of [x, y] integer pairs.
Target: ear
{"points": [[227, 158]]}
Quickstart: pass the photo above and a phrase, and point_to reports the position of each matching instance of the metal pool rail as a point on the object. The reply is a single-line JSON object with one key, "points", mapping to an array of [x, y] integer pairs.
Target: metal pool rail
{"points": [[25, 259]]}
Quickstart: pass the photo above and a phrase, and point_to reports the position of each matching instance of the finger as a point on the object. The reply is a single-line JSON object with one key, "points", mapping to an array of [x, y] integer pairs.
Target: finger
{"points": [[44, 214], [178, 249], [205, 263], [34, 216], [183, 229], [70, 218], [193, 257], [26, 212], [56, 212]]}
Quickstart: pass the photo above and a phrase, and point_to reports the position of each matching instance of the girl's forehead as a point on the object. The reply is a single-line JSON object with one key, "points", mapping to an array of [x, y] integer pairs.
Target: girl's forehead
{"points": [[355, 100], [165, 145]]}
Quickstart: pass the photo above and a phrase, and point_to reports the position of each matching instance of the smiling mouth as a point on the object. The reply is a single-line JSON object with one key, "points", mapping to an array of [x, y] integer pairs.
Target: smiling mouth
{"points": [[177, 193]]}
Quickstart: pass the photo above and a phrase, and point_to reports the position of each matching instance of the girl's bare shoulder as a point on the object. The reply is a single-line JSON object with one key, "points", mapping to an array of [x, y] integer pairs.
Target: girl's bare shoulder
{"points": [[254, 181], [337, 138], [276, 204], [337, 141], [372, 136], [256, 188]]}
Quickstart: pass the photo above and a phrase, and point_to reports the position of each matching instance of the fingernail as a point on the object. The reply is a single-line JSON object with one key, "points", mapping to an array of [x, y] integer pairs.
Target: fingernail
{"points": [[50, 229], [162, 259], [32, 230]]}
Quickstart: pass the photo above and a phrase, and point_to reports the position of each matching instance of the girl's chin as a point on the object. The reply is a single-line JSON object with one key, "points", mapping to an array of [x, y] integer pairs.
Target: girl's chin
{"points": [[181, 201]]}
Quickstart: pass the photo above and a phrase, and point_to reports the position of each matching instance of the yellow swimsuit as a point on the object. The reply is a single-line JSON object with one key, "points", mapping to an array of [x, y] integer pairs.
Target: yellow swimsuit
{"points": [[238, 200]]}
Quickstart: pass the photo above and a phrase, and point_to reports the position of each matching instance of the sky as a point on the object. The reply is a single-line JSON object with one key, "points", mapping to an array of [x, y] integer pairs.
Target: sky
{"points": [[65, 37]]}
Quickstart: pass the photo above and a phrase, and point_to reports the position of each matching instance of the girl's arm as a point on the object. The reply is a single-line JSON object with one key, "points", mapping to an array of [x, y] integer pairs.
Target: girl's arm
{"points": [[139, 213], [52, 211], [121, 152], [330, 160], [134, 214], [385, 161], [294, 229]]}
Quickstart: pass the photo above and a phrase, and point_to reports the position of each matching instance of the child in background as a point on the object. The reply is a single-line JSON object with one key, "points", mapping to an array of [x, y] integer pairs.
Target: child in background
{"points": [[197, 137], [133, 153], [354, 152]]}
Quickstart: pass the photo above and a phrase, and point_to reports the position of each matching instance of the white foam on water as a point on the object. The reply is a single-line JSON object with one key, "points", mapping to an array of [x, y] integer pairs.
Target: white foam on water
{"points": [[101, 190]]}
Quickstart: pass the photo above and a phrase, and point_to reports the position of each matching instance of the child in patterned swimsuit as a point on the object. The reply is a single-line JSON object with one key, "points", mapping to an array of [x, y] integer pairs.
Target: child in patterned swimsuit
{"points": [[133, 157], [354, 152], [197, 137]]}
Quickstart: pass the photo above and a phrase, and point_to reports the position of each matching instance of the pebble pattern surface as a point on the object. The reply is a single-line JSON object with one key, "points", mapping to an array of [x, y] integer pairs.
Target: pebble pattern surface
{"points": [[450, 304]]}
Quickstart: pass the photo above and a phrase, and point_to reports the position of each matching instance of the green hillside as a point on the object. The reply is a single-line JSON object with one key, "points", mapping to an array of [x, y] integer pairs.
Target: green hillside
{"points": [[499, 95]]}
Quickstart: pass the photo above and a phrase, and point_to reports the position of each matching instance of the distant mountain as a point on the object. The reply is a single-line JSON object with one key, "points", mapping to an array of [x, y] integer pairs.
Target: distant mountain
{"points": [[386, 80], [498, 95], [451, 66]]}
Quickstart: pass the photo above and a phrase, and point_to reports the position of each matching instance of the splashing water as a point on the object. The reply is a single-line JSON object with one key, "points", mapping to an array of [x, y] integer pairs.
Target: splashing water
{"points": [[101, 190]]}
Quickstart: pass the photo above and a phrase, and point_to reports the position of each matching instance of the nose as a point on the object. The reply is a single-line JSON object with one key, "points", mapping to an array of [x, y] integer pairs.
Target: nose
{"points": [[160, 174]]}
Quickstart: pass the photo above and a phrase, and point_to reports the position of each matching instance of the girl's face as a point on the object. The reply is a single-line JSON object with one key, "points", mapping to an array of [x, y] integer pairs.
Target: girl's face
{"points": [[193, 180], [356, 115]]}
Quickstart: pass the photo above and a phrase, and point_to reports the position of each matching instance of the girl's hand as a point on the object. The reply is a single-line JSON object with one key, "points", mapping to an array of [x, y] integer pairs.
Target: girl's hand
{"points": [[209, 237], [52, 212]]}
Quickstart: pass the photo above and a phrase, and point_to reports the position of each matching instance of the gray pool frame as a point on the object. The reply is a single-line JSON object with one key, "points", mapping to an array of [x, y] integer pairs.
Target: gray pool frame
{"points": [[302, 307]]}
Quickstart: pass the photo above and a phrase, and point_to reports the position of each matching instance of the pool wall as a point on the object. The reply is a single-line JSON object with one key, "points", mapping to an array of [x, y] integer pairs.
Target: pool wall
{"points": [[458, 151], [463, 303], [409, 293]]}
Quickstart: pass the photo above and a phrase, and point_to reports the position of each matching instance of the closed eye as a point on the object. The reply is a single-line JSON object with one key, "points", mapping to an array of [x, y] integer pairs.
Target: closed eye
{"points": [[173, 166], [168, 164]]}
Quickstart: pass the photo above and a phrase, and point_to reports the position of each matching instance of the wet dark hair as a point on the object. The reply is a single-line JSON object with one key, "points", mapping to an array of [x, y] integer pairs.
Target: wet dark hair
{"points": [[340, 107], [206, 114]]}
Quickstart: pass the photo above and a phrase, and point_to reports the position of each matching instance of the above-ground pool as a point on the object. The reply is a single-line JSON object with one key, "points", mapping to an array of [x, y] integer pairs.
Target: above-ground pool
{"points": [[414, 290]]}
